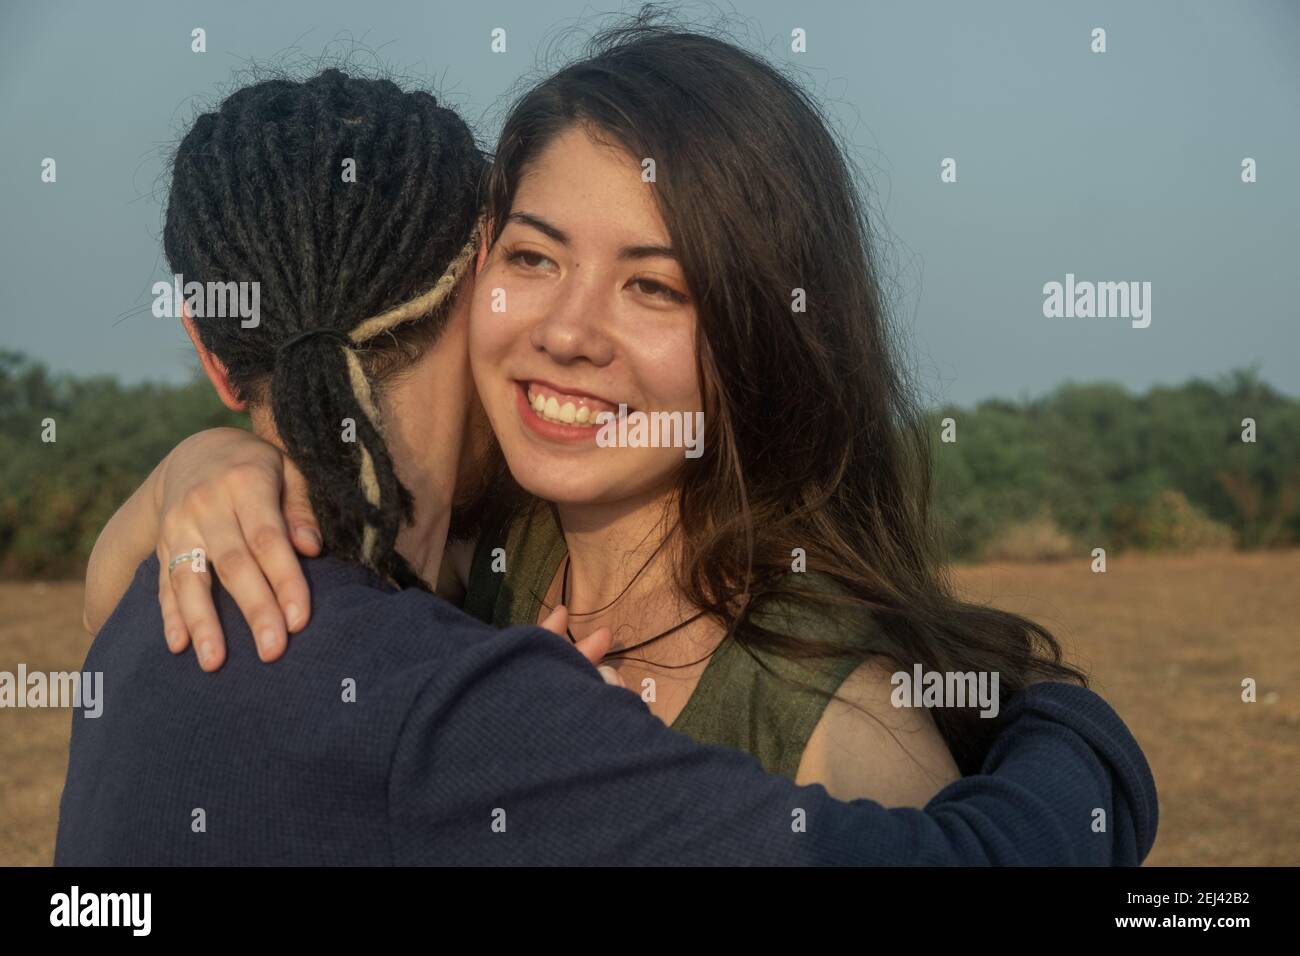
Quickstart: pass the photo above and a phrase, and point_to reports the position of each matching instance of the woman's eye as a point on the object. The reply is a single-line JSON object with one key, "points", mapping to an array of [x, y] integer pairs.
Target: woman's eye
{"points": [[527, 258], [658, 290]]}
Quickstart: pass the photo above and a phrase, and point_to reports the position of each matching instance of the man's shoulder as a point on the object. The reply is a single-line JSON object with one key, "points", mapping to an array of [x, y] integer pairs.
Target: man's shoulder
{"points": [[295, 756], [355, 617]]}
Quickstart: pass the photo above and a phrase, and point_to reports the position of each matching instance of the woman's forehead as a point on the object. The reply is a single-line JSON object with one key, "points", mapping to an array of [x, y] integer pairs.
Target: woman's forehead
{"points": [[581, 185]]}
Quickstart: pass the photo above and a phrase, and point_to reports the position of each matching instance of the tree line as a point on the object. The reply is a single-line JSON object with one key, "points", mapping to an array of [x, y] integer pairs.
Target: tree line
{"points": [[1199, 465]]}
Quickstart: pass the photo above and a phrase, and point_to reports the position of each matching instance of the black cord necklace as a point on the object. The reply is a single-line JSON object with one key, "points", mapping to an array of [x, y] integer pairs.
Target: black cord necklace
{"points": [[564, 599]]}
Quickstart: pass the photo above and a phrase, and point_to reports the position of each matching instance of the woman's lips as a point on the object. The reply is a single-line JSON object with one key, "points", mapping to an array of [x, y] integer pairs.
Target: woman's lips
{"points": [[560, 415]]}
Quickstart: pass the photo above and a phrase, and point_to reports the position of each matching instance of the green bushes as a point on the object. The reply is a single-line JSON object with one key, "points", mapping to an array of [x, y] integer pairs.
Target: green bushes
{"points": [[56, 495], [1096, 466], [1086, 466]]}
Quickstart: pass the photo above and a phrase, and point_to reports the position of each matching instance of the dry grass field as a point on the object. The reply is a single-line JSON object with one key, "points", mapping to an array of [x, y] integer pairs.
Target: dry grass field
{"points": [[1167, 640]]}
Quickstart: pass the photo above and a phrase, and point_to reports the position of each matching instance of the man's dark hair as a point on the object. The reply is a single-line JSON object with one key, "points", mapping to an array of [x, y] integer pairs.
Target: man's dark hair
{"points": [[355, 277]]}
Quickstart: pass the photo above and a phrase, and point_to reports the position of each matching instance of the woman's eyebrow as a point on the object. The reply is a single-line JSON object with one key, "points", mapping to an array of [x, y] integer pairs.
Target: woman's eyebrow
{"points": [[560, 236], [540, 224], [647, 252]]}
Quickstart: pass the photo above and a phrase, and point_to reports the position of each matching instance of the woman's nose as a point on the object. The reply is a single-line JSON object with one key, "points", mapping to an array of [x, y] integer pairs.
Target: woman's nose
{"points": [[574, 326]]}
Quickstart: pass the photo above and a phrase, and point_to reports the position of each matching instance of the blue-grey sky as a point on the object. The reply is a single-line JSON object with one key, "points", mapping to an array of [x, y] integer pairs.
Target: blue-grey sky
{"points": [[1115, 166]]}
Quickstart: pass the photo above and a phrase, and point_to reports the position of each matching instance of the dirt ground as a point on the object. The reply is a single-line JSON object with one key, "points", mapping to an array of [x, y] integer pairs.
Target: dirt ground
{"points": [[1167, 640]]}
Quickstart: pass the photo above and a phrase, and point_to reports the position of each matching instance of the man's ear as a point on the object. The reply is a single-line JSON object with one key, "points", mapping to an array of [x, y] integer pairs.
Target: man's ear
{"points": [[213, 368], [484, 244]]}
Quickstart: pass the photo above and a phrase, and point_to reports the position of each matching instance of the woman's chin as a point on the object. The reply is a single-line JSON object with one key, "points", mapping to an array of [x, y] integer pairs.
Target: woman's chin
{"points": [[563, 490], [567, 482]]}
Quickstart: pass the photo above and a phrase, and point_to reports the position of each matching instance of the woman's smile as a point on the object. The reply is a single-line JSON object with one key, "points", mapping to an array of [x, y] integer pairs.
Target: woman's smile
{"points": [[560, 414]]}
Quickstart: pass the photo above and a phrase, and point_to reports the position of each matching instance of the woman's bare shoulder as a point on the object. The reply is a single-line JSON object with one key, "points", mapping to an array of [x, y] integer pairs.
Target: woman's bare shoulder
{"points": [[864, 746]]}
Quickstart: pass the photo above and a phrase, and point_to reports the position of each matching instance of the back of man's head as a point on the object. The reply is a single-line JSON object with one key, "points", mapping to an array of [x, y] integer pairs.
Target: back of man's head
{"points": [[351, 208]]}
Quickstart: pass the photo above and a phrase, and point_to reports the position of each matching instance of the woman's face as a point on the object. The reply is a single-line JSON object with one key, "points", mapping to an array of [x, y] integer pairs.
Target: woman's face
{"points": [[580, 307]]}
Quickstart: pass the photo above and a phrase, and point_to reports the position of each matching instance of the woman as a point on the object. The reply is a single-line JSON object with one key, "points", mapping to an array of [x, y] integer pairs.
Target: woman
{"points": [[672, 228]]}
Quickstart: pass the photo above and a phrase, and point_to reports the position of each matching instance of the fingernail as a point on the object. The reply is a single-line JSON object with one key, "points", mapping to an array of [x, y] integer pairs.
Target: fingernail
{"points": [[267, 639], [293, 614], [309, 534]]}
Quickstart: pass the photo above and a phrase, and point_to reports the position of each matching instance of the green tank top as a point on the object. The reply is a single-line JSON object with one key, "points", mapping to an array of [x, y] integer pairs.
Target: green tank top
{"points": [[746, 699]]}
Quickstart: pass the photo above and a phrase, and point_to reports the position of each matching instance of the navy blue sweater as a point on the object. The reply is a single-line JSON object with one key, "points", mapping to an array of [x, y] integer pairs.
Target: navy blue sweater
{"points": [[466, 745]]}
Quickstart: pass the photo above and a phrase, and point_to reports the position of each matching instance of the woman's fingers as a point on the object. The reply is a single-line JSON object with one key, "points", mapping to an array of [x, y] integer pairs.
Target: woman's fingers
{"points": [[191, 583], [298, 514], [226, 499], [243, 576], [174, 629], [262, 525]]}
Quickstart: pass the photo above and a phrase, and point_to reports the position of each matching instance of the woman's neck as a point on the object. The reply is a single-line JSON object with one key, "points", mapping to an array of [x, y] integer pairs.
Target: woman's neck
{"points": [[622, 558], [609, 543]]}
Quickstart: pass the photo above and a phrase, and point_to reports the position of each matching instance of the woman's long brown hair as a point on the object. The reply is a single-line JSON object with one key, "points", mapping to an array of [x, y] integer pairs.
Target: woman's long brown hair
{"points": [[815, 438]]}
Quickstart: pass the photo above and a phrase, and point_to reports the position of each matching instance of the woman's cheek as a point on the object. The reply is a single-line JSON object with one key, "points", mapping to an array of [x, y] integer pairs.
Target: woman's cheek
{"points": [[669, 362], [490, 331], [505, 311]]}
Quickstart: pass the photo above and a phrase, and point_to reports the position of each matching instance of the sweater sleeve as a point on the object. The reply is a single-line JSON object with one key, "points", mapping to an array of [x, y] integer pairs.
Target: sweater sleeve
{"points": [[516, 752]]}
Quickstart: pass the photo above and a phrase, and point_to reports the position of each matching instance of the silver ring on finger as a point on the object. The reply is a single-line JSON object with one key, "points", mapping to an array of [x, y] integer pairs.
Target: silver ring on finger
{"points": [[186, 558]]}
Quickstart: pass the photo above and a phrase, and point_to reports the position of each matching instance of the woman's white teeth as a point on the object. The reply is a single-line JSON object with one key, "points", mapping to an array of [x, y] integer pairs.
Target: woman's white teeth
{"points": [[568, 413]]}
